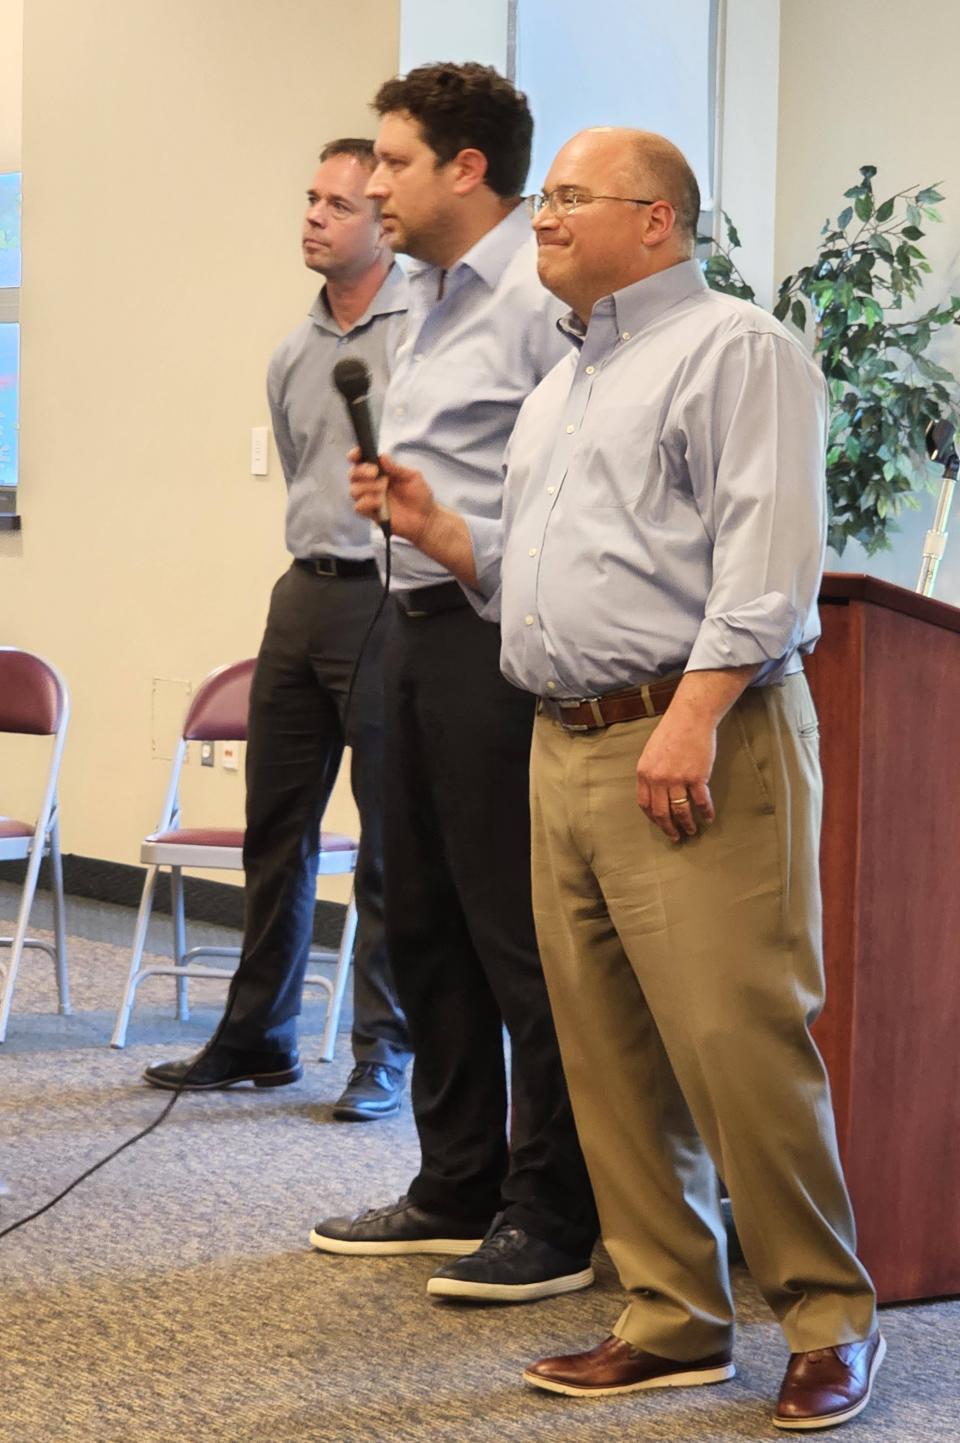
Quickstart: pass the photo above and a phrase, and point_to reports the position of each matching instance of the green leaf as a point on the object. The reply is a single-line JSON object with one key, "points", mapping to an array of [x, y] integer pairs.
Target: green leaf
{"points": [[845, 217], [885, 211], [929, 196], [868, 171], [932, 370], [732, 235], [781, 308], [912, 232], [863, 205], [854, 190], [798, 315]]}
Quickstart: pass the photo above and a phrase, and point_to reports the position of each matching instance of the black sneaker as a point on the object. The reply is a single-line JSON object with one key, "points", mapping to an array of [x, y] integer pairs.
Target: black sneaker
{"points": [[400, 1227], [373, 1091], [219, 1066], [511, 1267]]}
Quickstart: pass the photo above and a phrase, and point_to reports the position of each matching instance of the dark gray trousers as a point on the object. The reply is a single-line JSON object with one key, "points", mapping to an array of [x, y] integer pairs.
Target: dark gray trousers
{"points": [[315, 628]]}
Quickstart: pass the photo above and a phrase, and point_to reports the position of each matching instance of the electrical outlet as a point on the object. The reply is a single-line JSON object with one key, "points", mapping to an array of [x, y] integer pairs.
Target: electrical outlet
{"points": [[207, 756], [230, 755], [259, 452]]}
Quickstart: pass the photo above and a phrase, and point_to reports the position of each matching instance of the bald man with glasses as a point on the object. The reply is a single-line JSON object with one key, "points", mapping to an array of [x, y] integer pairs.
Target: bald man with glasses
{"points": [[656, 571]]}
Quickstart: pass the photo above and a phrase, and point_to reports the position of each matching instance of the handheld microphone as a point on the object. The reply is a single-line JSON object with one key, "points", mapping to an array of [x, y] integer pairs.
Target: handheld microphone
{"points": [[352, 379]]}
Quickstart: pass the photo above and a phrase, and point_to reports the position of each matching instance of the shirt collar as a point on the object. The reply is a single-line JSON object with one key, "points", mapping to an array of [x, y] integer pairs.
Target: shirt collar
{"points": [[389, 299], [488, 257], [637, 305]]}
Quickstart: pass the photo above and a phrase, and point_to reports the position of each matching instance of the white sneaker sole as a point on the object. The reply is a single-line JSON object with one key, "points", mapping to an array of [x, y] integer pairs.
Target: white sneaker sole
{"points": [[509, 1293], [451, 1247], [694, 1379], [833, 1420]]}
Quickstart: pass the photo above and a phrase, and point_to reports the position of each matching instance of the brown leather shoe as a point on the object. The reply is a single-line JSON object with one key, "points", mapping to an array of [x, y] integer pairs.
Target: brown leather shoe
{"points": [[615, 1366], [830, 1385]]}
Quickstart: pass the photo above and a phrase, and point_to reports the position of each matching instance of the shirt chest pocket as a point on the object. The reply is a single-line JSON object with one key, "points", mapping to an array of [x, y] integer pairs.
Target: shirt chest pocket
{"points": [[615, 460]]}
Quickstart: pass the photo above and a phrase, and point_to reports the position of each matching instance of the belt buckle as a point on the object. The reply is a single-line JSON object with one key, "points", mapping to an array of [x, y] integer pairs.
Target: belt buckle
{"points": [[325, 565], [593, 703]]}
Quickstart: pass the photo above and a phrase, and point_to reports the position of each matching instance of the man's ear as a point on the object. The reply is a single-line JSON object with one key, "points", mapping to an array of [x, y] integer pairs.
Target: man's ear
{"points": [[469, 168], [661, 222]]}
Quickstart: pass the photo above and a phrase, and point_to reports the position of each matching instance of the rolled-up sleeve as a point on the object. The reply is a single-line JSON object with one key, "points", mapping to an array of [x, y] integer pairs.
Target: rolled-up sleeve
{"points": [[486, 535], [756, 438]]}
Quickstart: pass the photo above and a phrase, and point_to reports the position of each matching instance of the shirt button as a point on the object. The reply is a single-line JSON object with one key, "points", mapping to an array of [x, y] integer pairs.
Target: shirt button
{"points": [[590, 370], [625, 335], [400, 410], [532, 551], [570, 430], [528, 620], [551, 686], [550, 490]]}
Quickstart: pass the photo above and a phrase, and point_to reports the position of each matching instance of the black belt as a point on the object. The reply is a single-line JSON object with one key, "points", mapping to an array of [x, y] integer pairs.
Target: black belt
{"points": [[336, 566], [429, 600]]}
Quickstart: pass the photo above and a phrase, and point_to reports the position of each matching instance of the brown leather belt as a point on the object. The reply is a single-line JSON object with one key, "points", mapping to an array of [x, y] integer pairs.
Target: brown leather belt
{"points": [[618, 706]]}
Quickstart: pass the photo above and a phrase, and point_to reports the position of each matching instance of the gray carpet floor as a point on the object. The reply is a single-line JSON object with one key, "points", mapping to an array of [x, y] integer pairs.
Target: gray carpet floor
{"points": [[173, 1298]]}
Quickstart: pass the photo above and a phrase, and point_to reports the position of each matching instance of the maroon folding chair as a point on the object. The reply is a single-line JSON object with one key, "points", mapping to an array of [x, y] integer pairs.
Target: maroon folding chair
{"points": [[218, 713], [34, 701]]}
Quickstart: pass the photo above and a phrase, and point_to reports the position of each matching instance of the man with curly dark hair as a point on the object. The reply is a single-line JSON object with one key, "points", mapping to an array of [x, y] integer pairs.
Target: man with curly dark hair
{"points": [[453, 151]]}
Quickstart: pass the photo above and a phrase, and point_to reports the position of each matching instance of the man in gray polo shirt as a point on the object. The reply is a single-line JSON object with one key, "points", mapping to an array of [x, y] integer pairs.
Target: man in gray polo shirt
{"points": [[320, 611]]}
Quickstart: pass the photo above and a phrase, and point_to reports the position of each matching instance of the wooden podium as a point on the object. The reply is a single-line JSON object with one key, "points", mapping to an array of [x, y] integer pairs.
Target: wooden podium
{"points": [[886, 680]]}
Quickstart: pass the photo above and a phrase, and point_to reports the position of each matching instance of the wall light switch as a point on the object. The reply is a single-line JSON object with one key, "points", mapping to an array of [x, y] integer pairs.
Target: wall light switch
{"points": [[259, 451]]}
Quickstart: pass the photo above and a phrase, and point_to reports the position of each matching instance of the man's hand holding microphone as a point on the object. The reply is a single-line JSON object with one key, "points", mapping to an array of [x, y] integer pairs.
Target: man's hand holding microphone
{"points": [[414, 512]]}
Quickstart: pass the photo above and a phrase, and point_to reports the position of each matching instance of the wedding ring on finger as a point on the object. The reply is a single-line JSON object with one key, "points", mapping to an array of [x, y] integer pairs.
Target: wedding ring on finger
{"points": [[679, 801]]}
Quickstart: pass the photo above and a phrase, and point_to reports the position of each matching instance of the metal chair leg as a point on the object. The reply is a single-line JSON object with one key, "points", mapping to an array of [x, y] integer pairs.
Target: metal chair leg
{"points": [[119, 1037], [344, 957], [59, 920], [19, 936], [179, 940]]}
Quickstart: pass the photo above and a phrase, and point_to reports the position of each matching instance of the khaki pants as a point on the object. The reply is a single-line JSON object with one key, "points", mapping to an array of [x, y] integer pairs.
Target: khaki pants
{"points": [[684, 980]]}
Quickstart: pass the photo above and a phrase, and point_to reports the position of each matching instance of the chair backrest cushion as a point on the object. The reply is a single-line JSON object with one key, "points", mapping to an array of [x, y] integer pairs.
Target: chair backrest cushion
{"points": [[218, 712], [30, 695]]}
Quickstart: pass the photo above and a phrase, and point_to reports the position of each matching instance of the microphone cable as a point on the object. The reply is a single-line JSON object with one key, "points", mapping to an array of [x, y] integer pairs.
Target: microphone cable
{"points": [[169, 1106]]}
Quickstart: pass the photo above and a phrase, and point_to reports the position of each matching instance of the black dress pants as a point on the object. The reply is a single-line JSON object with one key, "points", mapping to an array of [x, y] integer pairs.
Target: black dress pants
{"points": [[461, 937], [296, 737]]}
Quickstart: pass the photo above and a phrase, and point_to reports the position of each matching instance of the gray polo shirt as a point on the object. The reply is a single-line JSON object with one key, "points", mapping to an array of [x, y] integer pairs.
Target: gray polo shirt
{"points": [[310, 422]]}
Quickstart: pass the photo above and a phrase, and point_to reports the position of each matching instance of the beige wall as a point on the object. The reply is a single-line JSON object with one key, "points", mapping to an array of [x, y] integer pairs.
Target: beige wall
{"points": [[11, 86], [166, 150], [867, 83]]}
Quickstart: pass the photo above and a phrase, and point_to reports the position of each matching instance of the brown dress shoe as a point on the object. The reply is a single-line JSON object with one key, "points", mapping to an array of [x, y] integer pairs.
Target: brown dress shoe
{"points": [[830, 1385], [616, 1366]]}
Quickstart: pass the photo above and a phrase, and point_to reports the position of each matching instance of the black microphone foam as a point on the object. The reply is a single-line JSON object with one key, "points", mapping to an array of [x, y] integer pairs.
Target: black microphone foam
{"points": [[352, 379]]}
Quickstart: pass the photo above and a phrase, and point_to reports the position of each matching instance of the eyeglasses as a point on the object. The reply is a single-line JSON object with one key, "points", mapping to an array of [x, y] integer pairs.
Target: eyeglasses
{"points": [[567, 198]]}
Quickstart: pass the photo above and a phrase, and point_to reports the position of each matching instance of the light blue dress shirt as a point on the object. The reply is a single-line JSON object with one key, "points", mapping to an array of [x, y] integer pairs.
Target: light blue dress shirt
{"points": [[311, 426], [468, 360], [665, 502]]}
